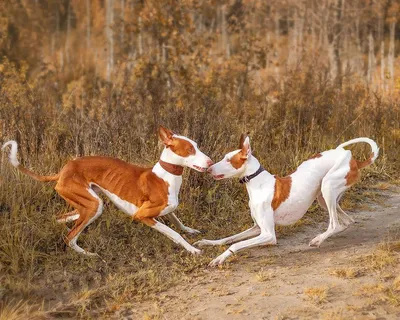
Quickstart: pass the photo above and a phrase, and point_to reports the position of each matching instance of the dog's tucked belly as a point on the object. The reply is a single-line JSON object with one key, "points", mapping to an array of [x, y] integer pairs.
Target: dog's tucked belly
{"points": [[288, 214], [294, 208]]}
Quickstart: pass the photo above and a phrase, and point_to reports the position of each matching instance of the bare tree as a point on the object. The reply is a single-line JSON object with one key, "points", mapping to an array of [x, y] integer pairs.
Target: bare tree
{"points": [[391, 53], [110, 36], [371, 59], [88, 22]]}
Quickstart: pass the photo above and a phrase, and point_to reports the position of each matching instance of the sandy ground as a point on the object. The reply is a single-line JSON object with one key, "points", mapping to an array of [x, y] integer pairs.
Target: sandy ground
{"points": [[270, 282]]}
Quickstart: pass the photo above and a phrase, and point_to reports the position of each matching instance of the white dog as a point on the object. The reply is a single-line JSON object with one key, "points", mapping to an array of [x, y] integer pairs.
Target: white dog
{"points": [[283, 201]]}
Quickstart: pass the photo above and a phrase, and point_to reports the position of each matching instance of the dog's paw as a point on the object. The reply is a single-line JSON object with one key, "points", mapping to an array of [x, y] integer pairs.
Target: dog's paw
{"points": [[203, 243], [195, 251], [220, 259], [316, 242], [192, 231]]}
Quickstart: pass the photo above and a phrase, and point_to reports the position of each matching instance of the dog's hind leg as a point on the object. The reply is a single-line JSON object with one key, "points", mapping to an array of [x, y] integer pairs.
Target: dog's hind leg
{"points": [[321, 202], [342, 215], [346, 219], [69, 216], [89, 206], [332, 187], [177, 223]]}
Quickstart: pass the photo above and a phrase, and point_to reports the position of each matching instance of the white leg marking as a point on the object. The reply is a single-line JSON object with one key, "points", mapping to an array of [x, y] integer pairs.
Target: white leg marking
{"points": [[264, 217], [174, 236], [332, 187], [343, 216], [253, 231], [321, 202], [69, 218], [174, 219], [262, 239], [330, 192], [347, 220]]}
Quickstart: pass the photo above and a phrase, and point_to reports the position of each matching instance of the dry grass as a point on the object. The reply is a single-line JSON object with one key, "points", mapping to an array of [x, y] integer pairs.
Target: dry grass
{"points": [[308, 117], [380, 293], [346, 272], [396, 284], [382, 265], [334, 315], [379, 259], [264, 275], [12, 310], [317, 295]]}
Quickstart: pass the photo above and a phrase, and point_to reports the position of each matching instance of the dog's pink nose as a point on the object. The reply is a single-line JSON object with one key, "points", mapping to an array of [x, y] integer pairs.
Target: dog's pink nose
{"points": [[209, 162]]}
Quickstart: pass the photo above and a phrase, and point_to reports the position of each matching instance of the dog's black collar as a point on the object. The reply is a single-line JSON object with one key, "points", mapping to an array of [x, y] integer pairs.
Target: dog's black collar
{"points": [[246, 179]]}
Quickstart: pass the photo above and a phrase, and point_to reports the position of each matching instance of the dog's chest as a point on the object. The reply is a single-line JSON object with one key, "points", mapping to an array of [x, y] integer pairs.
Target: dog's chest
{"points": [[174, 186]]}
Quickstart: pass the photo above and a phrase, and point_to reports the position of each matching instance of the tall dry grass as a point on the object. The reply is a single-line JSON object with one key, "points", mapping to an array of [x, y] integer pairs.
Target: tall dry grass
{"points": [[306, 115]]}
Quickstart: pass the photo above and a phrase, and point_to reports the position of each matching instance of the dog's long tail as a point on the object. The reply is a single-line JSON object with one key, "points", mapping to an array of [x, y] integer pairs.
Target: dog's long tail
{"points": [[374, 147], [14, 161]]}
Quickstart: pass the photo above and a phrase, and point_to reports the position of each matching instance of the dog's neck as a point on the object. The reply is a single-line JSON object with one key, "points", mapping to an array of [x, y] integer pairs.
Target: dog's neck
{"points": [[252, 166], [169, 169]]}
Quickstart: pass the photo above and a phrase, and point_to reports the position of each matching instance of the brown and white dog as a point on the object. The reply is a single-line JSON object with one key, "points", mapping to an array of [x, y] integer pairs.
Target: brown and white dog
{"points": [[142, 193], [283, 201]]}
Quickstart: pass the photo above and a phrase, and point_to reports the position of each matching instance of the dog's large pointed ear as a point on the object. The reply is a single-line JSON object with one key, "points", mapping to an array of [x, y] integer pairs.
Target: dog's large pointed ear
{"points": [[242, 138], [245, 146], [165, 135]]}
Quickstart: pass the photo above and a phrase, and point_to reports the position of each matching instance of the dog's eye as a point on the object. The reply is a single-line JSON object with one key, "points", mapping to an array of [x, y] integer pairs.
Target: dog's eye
{"points": [[228, 160]]}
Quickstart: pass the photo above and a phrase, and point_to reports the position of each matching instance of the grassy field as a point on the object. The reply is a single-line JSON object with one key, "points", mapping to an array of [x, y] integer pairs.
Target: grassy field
{"points": [[39, 276]]}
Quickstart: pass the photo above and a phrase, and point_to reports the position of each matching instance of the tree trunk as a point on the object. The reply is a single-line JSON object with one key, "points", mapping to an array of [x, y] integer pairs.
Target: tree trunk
{"points": [[391, 54], [88, 21], [383, 65], [67, 44], [371, 59], [110, 37], [140, 38], [225, 42], [122, 30], [293, 46], [337, 43], [276, 45], [312, 27]]}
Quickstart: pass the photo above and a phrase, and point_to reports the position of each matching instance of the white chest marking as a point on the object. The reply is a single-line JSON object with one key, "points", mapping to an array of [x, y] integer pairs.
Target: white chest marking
{"points": [[174, 184]]}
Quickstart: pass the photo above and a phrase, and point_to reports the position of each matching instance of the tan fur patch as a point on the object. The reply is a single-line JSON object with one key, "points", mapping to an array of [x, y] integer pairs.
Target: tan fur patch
{"points": [[238, 160], [281, 191], [182, 147], [36, 176], [317, 155], [242, 138], [354, 174], [363, 164]]}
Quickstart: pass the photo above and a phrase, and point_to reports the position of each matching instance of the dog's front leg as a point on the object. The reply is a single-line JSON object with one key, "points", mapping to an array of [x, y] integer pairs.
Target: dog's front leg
{"points": [[171, 234], [253, 231], [174, 219], [264, 216], [147, 214]]}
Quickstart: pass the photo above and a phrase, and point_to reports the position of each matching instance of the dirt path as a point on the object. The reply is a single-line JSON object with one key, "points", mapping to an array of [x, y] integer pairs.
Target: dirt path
{"points": [[272, 283]]}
